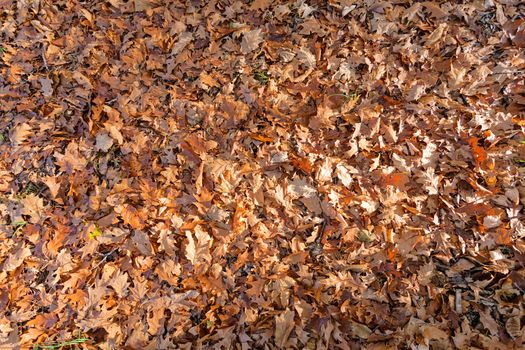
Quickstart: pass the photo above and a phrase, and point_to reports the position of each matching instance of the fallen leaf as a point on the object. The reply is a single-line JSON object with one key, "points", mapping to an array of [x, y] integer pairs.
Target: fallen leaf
{"points": [[132, 217], [104, 142], [198, 248], [20, 133], [16, 259], [251, 40], [284, 324], [47, 86]]}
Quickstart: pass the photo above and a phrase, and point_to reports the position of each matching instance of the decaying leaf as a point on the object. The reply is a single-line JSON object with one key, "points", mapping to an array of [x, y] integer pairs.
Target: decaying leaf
{"points": [[513, 327]]}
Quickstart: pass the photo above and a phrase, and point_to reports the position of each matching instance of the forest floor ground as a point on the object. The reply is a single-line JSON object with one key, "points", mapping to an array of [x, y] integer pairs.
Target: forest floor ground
{"points": [[262, 174]]}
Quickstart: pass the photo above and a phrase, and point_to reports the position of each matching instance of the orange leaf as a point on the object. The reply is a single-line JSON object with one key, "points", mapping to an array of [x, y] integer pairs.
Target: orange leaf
{"points": [[133, 217], [491, 180], [389, 235], [302, 164], [398, 180], [391, 253], [239, 224], [78, 297], [503, 236], [479, 153], [478, 209], [518, 120], [43, 320], [261, 138]]}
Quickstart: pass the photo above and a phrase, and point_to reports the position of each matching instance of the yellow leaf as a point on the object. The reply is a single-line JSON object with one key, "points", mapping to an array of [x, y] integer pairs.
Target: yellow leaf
{"points": [[95, 233]]}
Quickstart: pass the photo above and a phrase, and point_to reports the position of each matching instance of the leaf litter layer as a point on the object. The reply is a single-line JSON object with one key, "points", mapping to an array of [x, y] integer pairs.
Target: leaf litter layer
{"points": [[227, 174]]}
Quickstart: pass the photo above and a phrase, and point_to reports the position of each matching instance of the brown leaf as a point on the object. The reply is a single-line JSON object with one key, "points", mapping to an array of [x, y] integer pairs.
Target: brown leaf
{"points": [[33, 207], [361, 330], [260, 4], [515, 30], [142, 243], [436, 35], [142, 5], [488, 322], [433, 332], [513, 327]]}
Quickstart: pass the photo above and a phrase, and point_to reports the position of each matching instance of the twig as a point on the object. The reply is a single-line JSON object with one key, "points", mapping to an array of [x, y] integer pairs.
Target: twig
{"points": [[104, 258]]}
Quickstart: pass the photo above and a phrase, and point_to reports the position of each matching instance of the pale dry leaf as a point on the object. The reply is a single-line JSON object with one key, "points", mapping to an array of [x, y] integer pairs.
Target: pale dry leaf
{"points": [[344, 175], [433, 333], [33, 206], [103, 142], [361, 330], [513, 195], [429, 155], [425, 273], [53, 184], [305, 10], [284, 324], [142, 243], [430, 181], [142, 5], [198, 248], [20, 133], [306, 57], [488, 322], [411, 13], [416, 92], [120, 283], [82, 80], [251, 40], [325, 171], [47, 86], [491, 221], [436, 35], [15, 260], [300, 188], [182, 41], [114, 132], [323, 118], [279, 157]]}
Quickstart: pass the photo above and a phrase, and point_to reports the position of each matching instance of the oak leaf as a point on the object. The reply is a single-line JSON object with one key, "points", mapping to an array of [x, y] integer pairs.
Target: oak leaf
{"points": [[251, 40], [133, 217], [198, 248], [284, 324]]}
